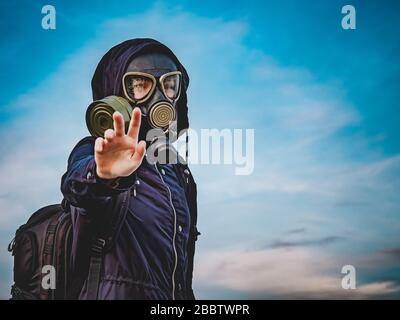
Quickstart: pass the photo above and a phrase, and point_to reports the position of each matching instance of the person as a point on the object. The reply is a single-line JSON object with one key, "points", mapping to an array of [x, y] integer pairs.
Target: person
{"points": [[151, 256]]}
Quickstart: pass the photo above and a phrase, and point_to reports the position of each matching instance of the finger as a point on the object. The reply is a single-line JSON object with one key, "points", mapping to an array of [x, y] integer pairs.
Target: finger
{"points": [[119, 125], [109, 135], [139, 152], [134, 124], [99, 145]]}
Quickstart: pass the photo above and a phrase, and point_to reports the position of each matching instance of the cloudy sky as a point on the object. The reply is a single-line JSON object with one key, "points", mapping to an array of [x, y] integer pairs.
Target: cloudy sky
{"points": [[323, 102]]}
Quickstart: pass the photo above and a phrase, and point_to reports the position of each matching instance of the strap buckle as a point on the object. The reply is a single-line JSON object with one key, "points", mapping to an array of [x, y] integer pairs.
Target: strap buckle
{"points": [[98, 246]]}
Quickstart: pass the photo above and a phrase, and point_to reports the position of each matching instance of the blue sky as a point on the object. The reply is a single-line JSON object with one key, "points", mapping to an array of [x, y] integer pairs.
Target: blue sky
{"points": [[322, 101]]}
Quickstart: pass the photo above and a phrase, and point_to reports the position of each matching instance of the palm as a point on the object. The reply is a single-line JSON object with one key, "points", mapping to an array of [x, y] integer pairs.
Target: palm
{"points": [[118, 154]]}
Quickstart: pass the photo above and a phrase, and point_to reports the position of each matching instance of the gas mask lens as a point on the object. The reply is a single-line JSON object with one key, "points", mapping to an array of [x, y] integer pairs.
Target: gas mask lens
{"points": [[139, 86], [171, 83]]}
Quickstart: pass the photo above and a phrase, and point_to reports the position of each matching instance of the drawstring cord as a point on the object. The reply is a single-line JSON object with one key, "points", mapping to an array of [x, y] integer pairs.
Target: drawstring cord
{"points": [[135, 183]]}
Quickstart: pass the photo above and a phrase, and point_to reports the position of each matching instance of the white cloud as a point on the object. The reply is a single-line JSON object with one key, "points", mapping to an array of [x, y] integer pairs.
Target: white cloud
{"points": [[280, 273]]}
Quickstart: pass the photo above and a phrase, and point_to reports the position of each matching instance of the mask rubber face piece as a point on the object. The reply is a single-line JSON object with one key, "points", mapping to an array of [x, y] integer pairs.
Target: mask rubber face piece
{"points": [[153, 83]]}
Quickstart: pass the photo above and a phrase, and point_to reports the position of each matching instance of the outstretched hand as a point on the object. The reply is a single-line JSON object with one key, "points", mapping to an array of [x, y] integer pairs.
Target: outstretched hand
{"points": [[119, 154]]}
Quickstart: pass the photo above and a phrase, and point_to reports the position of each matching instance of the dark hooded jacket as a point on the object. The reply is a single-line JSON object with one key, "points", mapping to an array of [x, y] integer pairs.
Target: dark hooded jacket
{"points": [[149, 251]]}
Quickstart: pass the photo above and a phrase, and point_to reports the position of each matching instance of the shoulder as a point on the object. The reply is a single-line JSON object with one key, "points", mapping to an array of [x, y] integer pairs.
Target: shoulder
{"points": [[83, 148], [84, 141]]}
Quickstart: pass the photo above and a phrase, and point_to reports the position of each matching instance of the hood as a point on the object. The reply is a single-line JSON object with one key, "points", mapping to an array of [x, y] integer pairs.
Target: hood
{"points": [[107, 79]]}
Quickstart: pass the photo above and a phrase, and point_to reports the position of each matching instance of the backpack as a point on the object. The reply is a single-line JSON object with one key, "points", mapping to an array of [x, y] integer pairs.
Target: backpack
{"points": [[44, 242], [45, 239]]}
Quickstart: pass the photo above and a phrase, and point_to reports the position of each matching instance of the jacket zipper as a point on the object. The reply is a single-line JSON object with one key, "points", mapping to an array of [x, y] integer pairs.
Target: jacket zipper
{"points": [[174, 236]]}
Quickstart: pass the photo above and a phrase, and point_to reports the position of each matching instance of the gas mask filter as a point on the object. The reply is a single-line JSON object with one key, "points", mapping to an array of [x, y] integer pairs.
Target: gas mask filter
{"points": [[99, 114]]}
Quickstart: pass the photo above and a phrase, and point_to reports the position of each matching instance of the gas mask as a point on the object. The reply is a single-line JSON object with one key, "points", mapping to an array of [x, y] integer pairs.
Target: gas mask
{"points": [[158, 107], [152, 83]]}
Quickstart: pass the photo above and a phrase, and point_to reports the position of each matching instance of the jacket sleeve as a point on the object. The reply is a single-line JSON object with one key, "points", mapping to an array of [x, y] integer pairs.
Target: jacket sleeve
{"points": [[80, 185]]}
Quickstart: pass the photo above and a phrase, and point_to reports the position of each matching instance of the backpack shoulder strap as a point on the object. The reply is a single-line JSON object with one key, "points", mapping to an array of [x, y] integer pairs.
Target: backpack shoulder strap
{"points": [[96, 259], [106, 233]]}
